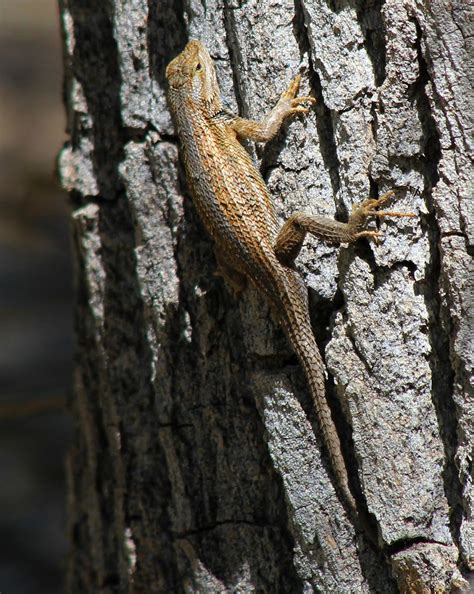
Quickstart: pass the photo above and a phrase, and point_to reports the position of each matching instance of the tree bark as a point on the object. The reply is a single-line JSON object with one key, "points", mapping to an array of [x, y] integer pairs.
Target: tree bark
{"points": [[197, 464]]}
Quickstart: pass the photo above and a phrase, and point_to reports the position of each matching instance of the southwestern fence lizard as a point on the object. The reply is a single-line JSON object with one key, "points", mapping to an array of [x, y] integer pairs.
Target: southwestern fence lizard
{"points": [[236, 208]]}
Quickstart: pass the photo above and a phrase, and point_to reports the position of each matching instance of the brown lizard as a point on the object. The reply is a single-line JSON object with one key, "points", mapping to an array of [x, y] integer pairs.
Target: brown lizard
{"points": [[236, 208]]}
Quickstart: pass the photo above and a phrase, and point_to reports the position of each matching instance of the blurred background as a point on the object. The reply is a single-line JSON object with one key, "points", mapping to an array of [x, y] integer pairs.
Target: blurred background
{"points": [[36, 301]]}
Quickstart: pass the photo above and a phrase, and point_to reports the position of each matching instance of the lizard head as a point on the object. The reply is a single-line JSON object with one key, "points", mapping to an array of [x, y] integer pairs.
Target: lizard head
{"points": [[192, 76]]}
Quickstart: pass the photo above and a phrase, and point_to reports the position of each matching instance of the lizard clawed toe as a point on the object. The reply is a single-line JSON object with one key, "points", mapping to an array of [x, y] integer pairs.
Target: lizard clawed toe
{"points": [[299, 109], [369, 205], [302, 100], [362, 211], [374, 235], [383, 199], [292, 88], [290, 104], [387, 213]]}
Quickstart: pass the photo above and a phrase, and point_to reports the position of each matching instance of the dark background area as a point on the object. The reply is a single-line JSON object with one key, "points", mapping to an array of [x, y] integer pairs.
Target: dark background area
{"points": [[36, 300]]}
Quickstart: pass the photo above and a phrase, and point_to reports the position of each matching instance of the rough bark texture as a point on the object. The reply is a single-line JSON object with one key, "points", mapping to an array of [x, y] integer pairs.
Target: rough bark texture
{"points": [[197, 464]]}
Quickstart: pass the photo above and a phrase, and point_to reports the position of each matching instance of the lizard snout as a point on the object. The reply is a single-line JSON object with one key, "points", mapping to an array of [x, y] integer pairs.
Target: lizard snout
{"points": [[175, 75]]}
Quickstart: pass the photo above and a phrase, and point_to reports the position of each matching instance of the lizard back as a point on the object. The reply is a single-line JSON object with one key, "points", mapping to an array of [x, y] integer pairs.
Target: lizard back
{"points": [[228, 191]]}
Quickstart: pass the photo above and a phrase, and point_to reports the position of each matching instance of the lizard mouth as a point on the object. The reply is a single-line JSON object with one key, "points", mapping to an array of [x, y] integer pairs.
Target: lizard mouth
{"points": [[175, 76]]}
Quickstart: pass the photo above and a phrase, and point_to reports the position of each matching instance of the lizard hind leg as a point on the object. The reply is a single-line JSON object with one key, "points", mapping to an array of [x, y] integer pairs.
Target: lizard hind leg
{"points": [[235, 280], [292, 234], [290, 239]]}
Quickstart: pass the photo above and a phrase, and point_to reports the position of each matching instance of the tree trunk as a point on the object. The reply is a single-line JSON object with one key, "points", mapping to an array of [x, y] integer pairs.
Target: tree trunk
{"points": [[197, 464]]}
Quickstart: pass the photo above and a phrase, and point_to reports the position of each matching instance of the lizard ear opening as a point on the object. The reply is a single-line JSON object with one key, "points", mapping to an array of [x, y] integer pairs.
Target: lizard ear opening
{"points": [[198, 66]]}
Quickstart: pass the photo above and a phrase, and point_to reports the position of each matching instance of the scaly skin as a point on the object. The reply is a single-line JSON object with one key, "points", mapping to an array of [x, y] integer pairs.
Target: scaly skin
{"points": [[236, 208]]}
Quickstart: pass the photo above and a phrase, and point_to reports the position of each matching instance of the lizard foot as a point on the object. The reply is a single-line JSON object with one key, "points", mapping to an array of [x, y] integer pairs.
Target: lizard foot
{"points": [[367, 208], [293, 104], [371, 204]]}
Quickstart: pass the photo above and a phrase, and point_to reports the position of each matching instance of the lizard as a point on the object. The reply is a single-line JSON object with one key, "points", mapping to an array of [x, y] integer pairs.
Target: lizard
{"points": [[236, 208]]}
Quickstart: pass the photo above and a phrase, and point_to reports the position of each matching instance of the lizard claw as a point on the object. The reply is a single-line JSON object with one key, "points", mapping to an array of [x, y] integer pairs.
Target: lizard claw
{"points": [[299, 109], [290, 94], [293, 87], [376, 202], [370, 204], [367, 208], [300, 100], [374, 235], [389, 213], [292, 104]]}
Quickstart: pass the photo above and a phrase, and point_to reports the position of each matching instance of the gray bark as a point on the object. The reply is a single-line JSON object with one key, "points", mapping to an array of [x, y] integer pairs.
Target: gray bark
{"points": [[197, 463]]}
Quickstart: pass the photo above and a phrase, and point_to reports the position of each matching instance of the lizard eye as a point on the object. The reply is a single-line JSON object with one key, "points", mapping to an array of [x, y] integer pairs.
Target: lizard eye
{"points": [[199, 66]]}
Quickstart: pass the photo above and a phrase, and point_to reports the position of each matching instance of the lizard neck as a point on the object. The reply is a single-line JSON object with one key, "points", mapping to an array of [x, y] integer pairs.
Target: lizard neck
{"points": [[191, 105]]}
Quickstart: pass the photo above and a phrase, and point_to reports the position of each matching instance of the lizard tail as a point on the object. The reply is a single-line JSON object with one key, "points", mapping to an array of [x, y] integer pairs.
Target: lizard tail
{"points": [[302, 340]]}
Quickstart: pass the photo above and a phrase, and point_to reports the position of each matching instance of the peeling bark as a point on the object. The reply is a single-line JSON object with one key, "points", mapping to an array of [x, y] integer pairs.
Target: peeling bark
{"points": [[197, 463]]}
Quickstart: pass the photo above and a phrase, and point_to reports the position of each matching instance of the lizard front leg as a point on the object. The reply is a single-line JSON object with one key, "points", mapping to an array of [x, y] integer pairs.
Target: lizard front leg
{"points": [[266, 129], [292, 234]]}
